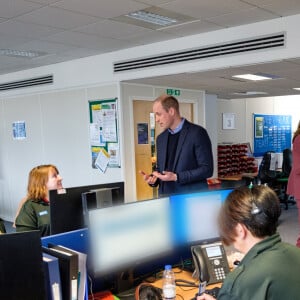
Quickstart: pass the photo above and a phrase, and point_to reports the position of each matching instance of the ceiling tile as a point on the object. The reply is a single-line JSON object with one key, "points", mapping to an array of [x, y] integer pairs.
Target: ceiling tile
{"points": [[191, 28], [13, 8], [43, 46], [86, 41], [8, 41], [111, 29], [280, 7], [101, 8], [206, 8], [242, 17], [56, 18], [26, 30]]}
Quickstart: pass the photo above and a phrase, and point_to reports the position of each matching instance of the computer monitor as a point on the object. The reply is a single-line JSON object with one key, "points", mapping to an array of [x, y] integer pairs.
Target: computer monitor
{"points": [[194, 216], [98, 198], [21, 266], [128, 235], [66, 209]]}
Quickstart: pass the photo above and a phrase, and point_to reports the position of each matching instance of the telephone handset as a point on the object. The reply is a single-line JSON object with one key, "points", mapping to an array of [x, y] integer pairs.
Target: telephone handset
{"points": [[210, 262]]}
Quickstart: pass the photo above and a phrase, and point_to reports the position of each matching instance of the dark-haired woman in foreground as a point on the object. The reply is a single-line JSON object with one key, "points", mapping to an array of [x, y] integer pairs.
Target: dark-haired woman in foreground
{"points": [[270, 267]]}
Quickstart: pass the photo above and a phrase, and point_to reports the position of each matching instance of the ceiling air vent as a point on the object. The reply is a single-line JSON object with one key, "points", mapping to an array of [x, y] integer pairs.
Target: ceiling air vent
{"points": [[26, 83], [240, 46]]}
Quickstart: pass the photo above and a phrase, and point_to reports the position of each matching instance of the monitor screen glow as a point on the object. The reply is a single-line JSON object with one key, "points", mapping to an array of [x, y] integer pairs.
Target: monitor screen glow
{"points": [[129, 234], [195, 216]]}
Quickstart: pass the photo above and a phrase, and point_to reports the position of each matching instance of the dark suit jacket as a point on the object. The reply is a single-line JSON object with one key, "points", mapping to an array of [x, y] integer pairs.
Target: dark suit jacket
{"points": [[193, 160]]}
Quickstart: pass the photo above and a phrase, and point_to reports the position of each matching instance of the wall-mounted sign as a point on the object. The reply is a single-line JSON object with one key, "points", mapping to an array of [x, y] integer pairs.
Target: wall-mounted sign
{"points": [[228, 120], [173, 92], [271, 133], [104, 133], [19, 130]]}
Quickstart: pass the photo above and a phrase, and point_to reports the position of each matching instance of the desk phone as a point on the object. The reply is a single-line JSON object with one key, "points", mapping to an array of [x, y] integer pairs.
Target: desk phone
{"points": [[210, 262]]}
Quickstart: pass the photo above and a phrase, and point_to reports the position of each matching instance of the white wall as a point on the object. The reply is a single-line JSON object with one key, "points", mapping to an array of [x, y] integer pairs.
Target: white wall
{"points": [[57, 127], [244, 110], [211, 121]]}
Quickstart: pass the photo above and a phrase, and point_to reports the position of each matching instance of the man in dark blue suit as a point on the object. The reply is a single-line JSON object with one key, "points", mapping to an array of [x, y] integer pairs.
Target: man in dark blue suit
{"points": [[184, 152]]}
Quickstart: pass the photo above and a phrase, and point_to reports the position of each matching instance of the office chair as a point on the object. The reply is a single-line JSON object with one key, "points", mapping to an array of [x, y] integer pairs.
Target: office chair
{"points": [[2, 227], [267, 172], [283, 177], [287, 161], [268, 175]]}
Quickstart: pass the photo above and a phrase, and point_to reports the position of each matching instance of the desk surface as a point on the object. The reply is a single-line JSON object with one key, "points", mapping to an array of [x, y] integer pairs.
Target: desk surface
{"points": [[182, 292]]}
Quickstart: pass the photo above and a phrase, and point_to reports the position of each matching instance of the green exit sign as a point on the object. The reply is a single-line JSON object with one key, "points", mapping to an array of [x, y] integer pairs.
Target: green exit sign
{"points": [[173, 92]]}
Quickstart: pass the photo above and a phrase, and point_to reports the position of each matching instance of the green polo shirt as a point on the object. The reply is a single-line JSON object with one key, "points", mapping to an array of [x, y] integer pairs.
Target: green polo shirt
{"points": [[34, 215], [270, 270]]}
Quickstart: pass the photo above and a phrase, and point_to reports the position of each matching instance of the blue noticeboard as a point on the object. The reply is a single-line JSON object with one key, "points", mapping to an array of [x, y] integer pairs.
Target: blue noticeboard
{"points": [[271, 133]]}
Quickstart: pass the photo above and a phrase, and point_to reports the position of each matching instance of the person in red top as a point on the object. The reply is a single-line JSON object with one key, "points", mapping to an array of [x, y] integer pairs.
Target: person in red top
{"points": [[293, 187], [34, 213]]}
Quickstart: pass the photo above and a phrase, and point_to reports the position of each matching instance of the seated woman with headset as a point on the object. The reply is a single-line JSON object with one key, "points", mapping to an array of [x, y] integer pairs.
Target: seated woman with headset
{"points": [[270, 267]]}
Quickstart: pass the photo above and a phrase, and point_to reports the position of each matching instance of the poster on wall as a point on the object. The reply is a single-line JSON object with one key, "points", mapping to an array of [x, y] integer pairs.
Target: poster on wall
{"points": [[104, 140], [142, 130], [271, 133], [19, 130], [228, 121]]}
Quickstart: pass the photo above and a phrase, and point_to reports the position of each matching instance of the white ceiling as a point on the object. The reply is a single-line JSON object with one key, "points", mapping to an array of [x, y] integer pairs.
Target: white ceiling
{"points": [[69, 29]]}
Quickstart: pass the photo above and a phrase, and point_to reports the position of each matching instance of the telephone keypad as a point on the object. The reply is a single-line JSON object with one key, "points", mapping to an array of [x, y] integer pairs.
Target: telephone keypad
{"points": [[220, 273], [217, 266]]}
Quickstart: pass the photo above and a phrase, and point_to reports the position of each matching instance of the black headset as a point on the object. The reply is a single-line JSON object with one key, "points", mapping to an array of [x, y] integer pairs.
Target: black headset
{"points": [[146, 291]]}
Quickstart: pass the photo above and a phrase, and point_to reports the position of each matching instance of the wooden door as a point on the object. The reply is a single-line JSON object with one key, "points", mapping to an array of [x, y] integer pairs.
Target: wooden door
{"points": [[142, 143]]}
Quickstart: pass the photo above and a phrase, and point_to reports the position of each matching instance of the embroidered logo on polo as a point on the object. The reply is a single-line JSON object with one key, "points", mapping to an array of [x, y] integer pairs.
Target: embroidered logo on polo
{"points": [[42, 213]]}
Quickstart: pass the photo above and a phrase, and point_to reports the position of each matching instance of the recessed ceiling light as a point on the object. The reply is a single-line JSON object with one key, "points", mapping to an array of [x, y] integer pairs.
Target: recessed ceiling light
{"points": [[251, 77], [152, 18], [297, 89], [21, 53], [257, 76], [249, 93]]}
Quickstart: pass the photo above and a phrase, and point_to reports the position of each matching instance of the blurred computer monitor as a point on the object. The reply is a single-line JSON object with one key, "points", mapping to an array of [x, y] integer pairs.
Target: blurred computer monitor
{"points": [[66, 209], [128, 235], [194, 216]]}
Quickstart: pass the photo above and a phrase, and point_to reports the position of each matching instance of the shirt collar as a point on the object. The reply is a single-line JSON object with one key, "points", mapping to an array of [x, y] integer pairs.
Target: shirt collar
{"points": [[46, 200], [261, 246], [178, 128]]}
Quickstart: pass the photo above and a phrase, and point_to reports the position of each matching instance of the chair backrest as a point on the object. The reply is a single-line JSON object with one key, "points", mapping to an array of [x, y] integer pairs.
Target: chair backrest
{"points": [[287, 161], [266, 173], [2, 226]]}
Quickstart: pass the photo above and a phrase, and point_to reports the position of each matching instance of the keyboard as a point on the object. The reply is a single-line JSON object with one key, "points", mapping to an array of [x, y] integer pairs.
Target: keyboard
{"points": [[213, 292]]}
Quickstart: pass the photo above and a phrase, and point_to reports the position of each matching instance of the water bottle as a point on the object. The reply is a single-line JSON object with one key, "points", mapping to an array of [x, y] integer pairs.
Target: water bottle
{"points": [[169, 286]]}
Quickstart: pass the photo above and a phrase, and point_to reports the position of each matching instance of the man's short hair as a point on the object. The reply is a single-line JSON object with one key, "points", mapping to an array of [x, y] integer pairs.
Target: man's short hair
{"points": [[167, 102]]}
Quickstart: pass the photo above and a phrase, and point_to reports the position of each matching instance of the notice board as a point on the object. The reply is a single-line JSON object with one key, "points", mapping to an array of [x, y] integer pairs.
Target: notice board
{"points": [[271, 133], [104, 133]]}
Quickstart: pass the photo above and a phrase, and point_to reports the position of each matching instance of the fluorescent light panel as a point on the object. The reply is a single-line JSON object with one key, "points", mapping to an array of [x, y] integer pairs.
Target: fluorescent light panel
{"points": [[249, 93], [21, 53], [152, 18], [257, 76], [251, 77]]}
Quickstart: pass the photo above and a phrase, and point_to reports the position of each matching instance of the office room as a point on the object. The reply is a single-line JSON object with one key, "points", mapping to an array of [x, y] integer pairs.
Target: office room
{"points": [[56, 115]]}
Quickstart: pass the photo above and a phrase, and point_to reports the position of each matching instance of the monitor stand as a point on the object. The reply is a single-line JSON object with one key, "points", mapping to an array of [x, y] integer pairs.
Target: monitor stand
{"points": [[124, 283]]}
